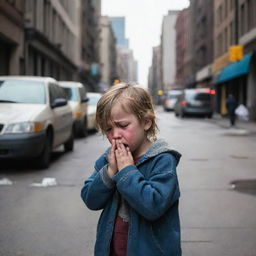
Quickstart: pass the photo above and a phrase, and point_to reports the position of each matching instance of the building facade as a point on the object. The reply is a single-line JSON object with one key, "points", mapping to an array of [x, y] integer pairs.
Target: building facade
{"points": [[188, 58], [12, 37], [181, 47], [202, 17], [107, 54], [118, 25], [52, 38], [126, 65], [168, 53], [247, 38], [89, 68], [156, 84], [235, 26]]}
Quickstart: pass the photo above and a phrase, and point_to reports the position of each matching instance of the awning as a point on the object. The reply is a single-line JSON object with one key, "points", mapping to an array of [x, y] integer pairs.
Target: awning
{"points": [[235, 69]]}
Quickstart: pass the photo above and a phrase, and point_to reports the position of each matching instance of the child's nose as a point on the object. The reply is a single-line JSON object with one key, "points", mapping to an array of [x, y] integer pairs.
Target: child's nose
{"points": [[116, 133]]}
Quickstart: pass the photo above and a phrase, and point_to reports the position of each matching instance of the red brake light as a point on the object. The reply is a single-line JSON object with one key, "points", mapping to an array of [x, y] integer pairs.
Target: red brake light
{"points": [[183, 102], [212, 92]]}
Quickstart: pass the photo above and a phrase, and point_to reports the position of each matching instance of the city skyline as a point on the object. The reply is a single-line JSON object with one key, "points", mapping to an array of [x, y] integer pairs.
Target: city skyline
{"points": [[142, 34]]}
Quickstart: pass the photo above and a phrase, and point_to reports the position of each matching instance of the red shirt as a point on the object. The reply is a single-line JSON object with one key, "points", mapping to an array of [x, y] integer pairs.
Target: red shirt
{"points": [[120, 235], [120, 238]]}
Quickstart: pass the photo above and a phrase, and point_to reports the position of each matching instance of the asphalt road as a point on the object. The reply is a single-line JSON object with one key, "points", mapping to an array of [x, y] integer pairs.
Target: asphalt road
{"points": [[42, 213]]}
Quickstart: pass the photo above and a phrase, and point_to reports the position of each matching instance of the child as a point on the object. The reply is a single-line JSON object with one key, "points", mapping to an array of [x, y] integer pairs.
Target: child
{"points": [[134, 181]]}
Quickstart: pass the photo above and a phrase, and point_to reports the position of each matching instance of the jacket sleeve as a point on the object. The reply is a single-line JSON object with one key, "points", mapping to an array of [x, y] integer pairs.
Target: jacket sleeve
{"points": [[151, 197], [98, 188]]}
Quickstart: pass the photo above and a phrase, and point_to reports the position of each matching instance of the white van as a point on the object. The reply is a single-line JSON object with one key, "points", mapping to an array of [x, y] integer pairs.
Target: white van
{"points": [[76, 95], [34, 118]]}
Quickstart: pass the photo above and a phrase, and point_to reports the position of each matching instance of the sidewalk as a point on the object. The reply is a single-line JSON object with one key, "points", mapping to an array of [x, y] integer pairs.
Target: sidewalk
{"points": [[241, 127]]}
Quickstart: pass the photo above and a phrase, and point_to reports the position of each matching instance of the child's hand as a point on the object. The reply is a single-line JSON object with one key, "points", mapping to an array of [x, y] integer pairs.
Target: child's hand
{"points": [[123, 156], [112, 164]]}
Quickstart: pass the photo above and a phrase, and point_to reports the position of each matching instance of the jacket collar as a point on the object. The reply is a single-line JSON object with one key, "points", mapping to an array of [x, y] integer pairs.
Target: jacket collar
{"points": [[158, 147]]}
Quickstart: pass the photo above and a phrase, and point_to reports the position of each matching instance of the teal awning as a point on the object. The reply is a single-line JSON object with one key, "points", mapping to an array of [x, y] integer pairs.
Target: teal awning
{"points": [[235, 69]]}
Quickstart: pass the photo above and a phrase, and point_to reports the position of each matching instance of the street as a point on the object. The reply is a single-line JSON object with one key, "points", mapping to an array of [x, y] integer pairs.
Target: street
{"points": [[217, 178]]}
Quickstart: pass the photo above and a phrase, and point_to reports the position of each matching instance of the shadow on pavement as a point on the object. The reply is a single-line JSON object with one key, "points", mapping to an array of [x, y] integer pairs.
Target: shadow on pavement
{"points": [[244, 186], [26, 165]]}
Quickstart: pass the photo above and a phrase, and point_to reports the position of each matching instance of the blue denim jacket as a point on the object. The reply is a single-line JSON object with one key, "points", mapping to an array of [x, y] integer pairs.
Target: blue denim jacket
{"points": [[151, 190]]}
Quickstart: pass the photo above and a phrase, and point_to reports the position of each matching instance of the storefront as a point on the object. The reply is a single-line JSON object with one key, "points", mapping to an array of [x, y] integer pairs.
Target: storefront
{"points": [[237, 78]]}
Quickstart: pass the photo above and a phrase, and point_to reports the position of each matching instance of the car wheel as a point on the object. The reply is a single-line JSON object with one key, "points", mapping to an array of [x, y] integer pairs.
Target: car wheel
{"points": [[84, 129], [69, 145], [43, 160]]}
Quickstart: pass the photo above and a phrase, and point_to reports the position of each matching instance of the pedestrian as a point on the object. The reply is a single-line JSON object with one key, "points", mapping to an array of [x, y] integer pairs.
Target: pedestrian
{"points": [[134, 181], [231, 105]]}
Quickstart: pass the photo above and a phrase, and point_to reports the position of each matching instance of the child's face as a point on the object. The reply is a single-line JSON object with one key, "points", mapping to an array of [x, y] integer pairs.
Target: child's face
{"points": [[126, 128]]}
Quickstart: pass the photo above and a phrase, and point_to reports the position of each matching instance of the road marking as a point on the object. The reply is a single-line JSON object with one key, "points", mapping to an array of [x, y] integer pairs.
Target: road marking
{"points": [[6, 182], [46, 182]]}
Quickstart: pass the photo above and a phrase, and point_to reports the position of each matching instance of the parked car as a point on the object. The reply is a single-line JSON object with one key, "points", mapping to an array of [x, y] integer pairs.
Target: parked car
{"points": [[197, 101], [77, 98], [92, 106], [170, 99], [35, 118]]}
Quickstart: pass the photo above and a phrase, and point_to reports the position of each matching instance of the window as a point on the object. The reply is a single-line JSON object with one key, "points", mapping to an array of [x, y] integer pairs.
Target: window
{"points": [[53, 92], [231, 4], [250, 14], [71, 93], [231, 33], [226, 39], [20, 91], [12, 2], [82, 93], [221, 13], [226, 8], [242, 24]]}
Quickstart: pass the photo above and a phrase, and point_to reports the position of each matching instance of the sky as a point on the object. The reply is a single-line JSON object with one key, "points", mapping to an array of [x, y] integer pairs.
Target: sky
{"points": [[143, 26]]}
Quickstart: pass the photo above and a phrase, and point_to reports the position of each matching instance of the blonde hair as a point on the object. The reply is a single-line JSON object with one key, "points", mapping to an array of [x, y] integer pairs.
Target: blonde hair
{"points": [[133, 98]]}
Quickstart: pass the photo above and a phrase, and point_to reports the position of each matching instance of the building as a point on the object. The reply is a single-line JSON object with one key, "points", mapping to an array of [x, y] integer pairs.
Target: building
{"points": [[52, 38], [181, 47], [126, 65], [154, 78], [247, 38], [189, 73], [118, 25], [107, 53], [202, 17], [12, 37], [235, 25], [89, 68], [168, 53]]}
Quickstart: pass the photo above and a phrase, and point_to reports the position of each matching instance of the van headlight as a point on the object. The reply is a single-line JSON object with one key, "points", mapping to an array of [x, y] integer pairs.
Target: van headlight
{"points": [[24, 127]]}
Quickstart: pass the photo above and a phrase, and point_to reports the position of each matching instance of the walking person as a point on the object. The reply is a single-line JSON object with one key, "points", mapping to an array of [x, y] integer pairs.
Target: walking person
{"points": [[231, 105], [134, 181]]}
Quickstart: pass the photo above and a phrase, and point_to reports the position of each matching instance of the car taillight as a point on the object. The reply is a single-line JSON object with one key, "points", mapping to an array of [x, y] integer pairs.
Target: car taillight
{"points": [[183, 103], [212, 92]]}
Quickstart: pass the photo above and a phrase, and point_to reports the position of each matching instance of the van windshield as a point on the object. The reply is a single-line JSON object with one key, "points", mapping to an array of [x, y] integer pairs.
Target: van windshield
{"points": [[21, 91], [71, 93]]}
